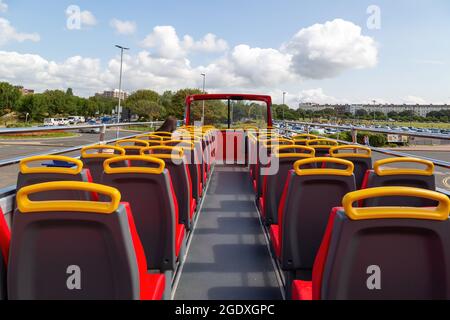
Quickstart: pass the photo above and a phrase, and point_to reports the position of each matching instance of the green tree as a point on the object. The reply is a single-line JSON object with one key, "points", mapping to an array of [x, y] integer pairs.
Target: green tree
{"points": [[9, 98], [178, 102], [35, 105]]}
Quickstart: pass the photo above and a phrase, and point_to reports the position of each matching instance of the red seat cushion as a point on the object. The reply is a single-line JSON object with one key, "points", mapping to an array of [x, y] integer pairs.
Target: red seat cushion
{"points": [[275, 238], [301, 290], [179, 234], [152, 286], [261, 206], [5, 237], [193, 207]]}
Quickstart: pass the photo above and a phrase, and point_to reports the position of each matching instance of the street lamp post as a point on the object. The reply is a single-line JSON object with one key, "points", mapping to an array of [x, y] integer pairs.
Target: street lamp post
{"points": [[120, 85], [203, 108], [284, 96]]}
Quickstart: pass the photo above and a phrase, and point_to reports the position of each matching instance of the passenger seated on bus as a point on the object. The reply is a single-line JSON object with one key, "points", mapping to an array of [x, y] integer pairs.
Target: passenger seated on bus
{"points": [[403, 172], [77, 250], [170, 125], [380, 253]]}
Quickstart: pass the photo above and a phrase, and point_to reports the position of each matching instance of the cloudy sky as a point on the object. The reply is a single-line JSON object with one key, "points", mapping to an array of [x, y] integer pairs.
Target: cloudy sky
{"points": [[347, 51]]}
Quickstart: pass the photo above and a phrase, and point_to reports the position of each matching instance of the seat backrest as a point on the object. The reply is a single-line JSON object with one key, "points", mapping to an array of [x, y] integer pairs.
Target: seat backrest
{"points": [[94, 160], [179, 173], [307, 200], [193, 164], [283, 157], [5, 238], [151, 196], [29, 175], [72, 249], [152, 138], [132, 147], [360, 156], [410, 176], [385, 252], [265, 148], [322, 146]]}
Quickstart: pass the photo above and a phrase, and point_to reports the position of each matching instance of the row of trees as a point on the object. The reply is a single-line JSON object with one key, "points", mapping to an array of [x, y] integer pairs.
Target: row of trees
{"points": [[149, 105]]}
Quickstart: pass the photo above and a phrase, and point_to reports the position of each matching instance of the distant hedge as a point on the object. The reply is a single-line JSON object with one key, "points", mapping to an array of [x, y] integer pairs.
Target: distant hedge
{"points": [[375, 139]]}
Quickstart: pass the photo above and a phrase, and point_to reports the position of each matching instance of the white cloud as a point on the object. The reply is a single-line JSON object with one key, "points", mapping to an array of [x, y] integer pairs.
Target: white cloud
{"points": [[209, 43], [9, 33], [88, 18], [167, 44], [317, 96], [413, 100], [164, 63], [3, 6], [123, 27], [326, 50], [165, 41]]}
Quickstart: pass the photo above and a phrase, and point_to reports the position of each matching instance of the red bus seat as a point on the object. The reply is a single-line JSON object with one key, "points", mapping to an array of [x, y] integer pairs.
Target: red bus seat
{"points": [[5, 238], [322, 146], [382, 176], [179, 172], [285, 157], [193, 164], [383, 252], [132, 147], [77, 250], [94, 160], [308, 197], [152, 197], [31, 171], [362, 160]]}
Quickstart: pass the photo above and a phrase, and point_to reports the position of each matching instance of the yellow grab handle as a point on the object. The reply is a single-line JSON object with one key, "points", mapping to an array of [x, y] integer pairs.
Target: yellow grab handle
{"points": [[394, 171], [441, 212], [99, 154], [305, 136], [25, 169], [321, 143], [275, 142], [142, 143], [186, 145], [107, 165], [324, 171], [25, 205], [311, 152], [162, 133], [179, 155], [149, 136], [334, 152]]}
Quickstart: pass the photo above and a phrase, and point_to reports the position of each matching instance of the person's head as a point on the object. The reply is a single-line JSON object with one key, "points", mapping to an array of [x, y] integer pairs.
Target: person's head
{"points": [[170, 125]]}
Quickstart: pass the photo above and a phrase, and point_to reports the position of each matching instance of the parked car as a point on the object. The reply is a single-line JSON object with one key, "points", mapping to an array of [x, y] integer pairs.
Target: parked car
{"points": [[50, 122], [90, 130]]}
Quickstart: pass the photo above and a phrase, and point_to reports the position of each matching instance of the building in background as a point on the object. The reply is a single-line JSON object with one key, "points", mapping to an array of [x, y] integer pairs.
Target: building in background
{"points": [[113, 94], [25, 91], [420, 110]]}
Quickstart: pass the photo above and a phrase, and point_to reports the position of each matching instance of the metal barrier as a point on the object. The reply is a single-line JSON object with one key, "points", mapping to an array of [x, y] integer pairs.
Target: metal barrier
{"points": [[103, 127], [355, 129], [439, 163]]}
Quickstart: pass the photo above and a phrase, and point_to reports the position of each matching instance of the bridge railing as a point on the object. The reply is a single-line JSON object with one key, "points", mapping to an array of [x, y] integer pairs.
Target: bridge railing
{"points": [[101, 140], [439, 163], [355, 129]]}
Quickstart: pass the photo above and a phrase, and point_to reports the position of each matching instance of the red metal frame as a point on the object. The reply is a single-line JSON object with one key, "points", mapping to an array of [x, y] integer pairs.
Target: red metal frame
{"points": [[222, 96]]}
